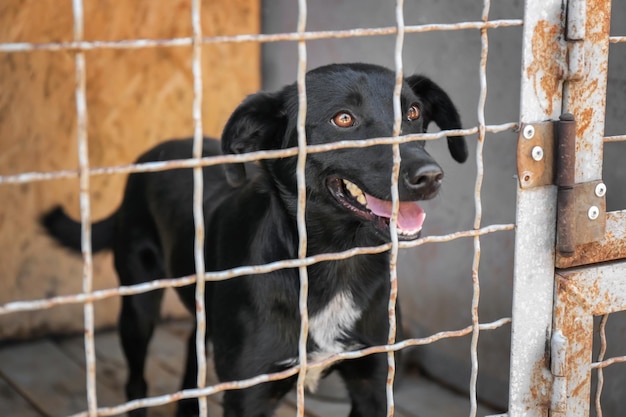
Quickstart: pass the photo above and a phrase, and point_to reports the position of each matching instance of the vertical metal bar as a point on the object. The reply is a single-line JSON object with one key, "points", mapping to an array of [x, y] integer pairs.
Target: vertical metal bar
{"points": [[301, 215], [575, 35], [586, 98], [85, 209], [395, 206], [601, 354], [558, 365], [573, 316], [541, 87], [198, 209], [478, 207]]}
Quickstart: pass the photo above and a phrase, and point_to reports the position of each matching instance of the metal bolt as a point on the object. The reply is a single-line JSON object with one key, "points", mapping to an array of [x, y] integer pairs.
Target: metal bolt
{"points": [[529, 131], [600, 190], [537, 153], [593, 212]]}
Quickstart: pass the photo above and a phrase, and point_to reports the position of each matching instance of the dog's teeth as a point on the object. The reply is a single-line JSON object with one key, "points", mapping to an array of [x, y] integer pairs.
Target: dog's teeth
{"points": [[355, 192]]}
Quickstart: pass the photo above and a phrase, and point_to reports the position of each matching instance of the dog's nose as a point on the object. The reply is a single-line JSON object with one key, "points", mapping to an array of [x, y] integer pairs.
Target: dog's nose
{"points": [[425, 179]]}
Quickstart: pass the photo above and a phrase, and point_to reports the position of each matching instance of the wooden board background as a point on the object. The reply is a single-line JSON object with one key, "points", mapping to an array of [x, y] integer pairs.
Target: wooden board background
{"points": [[135, 98]]}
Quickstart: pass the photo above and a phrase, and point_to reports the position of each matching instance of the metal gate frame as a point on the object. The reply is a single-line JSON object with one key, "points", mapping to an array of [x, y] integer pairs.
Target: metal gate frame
{"points": [[564, 70]]}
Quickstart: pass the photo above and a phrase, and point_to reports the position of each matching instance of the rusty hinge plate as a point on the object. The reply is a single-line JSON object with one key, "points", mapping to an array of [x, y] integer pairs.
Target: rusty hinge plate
{"points": [[535, 154], [581, 216], [611, 247]]}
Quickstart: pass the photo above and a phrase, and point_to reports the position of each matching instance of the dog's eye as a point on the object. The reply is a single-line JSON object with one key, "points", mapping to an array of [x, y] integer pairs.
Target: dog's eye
{"points": [[343, 119], [413, 113]]}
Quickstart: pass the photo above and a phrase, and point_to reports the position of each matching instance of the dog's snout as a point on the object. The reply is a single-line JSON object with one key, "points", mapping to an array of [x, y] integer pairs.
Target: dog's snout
{"points": [[425, 179]]}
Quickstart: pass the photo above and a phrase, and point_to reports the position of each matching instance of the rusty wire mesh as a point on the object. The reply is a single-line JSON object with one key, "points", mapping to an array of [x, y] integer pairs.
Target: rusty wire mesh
{"points": [[601, 362], [88, 296], [616, 138]]}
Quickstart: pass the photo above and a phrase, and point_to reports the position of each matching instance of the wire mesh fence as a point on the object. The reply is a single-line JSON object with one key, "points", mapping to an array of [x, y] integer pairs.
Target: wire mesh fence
{"points": [[78, 46]]}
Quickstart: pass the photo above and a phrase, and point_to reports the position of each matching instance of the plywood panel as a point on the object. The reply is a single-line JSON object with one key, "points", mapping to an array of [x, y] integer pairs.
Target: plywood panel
{"points": [[135, 99]]}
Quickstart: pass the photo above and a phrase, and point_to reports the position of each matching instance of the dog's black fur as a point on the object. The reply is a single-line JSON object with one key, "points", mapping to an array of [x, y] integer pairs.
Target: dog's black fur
{"points": [[253, 321]]}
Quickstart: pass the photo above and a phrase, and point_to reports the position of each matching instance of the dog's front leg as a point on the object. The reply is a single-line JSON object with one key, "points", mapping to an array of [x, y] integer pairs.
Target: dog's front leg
{"points": [[257, 401], [258, 357], [189, 407], [366, 379]]}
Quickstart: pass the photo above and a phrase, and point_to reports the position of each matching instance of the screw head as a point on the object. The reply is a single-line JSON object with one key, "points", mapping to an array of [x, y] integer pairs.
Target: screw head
{"points": [[528, 132], [537, 153], [600, 190], [593, 212]]}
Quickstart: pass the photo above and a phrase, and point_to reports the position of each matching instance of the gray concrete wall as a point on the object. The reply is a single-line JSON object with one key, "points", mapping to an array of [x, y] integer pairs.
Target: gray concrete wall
{"points": [[436, 282]]}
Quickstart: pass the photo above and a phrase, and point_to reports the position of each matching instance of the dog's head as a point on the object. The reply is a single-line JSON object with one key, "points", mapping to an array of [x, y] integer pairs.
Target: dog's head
{"points": [[350, 102]]}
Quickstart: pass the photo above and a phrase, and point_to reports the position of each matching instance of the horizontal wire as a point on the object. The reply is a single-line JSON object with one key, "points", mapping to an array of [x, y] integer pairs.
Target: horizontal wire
{"points": [[233, 385], [247, 157], [617, 138], [608, 362], [18, 306], [260, 38]]}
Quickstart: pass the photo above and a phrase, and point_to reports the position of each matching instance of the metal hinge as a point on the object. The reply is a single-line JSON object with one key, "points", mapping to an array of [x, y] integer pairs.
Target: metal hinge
{"points": [[581, 207], [546, 155], [558, 367]]}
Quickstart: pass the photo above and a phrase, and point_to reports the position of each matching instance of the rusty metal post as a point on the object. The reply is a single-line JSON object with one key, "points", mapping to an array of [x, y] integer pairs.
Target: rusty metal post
{"points": [[586, 97], [543, 67], [569, 72]]}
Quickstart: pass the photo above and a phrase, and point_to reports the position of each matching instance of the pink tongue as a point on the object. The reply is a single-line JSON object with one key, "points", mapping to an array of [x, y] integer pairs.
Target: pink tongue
{"points": [[410, 214]]}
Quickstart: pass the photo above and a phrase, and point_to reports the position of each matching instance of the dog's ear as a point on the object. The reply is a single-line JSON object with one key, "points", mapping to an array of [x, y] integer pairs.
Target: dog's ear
{"points": [[439, 108], [256, 124]]}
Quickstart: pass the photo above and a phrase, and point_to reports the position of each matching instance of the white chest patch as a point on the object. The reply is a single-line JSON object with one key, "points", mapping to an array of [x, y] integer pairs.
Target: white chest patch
{"points": [[327, 327], [332, 323]]}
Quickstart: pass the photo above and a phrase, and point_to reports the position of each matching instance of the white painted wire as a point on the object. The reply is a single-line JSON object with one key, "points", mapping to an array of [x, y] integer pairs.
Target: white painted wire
{"points": [[600, 371], [193, 393], [260, 38], [247, 157], [301, 214], [85, 210], [198, 209], [616, 138], [395, 206], [478, 214], [608, 362], [124, 290]]}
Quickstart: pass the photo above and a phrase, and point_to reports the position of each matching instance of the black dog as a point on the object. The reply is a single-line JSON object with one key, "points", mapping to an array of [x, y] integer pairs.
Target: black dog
{"points": [[253, 321]]}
